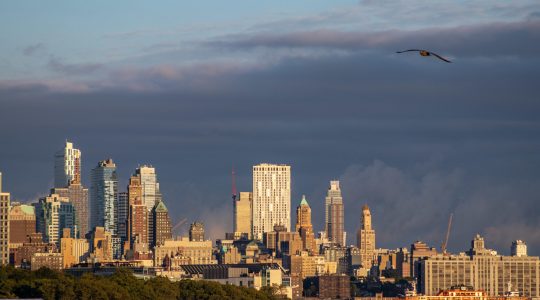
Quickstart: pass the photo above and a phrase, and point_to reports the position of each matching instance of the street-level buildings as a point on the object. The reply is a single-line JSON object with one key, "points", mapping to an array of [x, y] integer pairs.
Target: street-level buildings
{"points": [[482, 269]]}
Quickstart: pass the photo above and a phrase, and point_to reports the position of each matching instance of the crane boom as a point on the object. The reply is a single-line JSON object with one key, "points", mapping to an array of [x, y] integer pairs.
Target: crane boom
{"points": [[443, 247]]}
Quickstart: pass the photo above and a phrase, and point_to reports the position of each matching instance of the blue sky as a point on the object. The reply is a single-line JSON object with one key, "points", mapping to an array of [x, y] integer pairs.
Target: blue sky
{"points": [[194, 88]]}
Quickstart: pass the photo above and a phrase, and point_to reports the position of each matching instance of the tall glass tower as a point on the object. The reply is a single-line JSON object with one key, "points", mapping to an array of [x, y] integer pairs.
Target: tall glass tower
{"points": [[104, 196], [67, 166]]}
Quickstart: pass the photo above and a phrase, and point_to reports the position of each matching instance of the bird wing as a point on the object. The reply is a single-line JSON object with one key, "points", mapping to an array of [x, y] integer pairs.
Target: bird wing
{"points": [[408, 50], [440, 57]]}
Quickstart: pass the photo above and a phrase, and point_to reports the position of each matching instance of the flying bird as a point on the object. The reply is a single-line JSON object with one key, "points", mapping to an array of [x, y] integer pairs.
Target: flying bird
{"points": [[426, 53]]}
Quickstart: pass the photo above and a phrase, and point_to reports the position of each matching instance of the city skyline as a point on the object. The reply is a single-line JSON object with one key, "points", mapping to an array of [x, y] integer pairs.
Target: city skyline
{"points": [[334, 185], [194, 89]]}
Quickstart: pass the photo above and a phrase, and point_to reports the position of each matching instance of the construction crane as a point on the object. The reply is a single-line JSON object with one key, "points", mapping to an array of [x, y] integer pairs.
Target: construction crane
{"points": [[233, 185], [445, 243]]}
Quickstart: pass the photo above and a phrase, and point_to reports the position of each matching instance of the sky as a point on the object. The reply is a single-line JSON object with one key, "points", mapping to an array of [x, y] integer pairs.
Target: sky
{"points": [[197, 88]]}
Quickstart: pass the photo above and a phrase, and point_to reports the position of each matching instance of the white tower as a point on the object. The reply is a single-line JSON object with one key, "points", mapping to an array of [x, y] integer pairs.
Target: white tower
{"points": [[150, 186], [271, 198], [67, 166]]}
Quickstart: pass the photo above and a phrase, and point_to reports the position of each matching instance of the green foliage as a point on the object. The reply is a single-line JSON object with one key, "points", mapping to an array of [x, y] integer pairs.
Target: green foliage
{"points": [[49, 284]]}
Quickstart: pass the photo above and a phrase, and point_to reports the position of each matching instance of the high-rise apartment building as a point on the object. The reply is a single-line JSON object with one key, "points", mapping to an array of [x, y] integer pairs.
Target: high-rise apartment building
{"points": [[481, 268], [53, 214], [271, 198], [67, 166], [78, 196], [149, 186], [138, 214], [242, 214], [161, 223], [196, 232], [122, 213], [104, 196], [22, 222], [304, 226], [67, 176], [4, 225], [366, 239], [334, 216], [519, 248]]}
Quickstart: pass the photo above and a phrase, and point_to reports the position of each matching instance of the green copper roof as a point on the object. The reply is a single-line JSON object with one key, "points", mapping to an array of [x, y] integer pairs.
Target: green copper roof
{"points": [[304, 201], [27, 209], [160, 206]]}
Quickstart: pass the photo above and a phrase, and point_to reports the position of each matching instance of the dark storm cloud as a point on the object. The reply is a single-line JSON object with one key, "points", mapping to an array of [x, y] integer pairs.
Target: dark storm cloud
{"points": [[496, 39], [421, 202], [415, 139]]}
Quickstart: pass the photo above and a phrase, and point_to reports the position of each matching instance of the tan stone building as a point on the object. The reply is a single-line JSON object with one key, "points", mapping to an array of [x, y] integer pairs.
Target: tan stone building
{"points": [[242, 214], [191, 252], [419, 250], [101, 245], [304, 226], [196, 232], [161, 223], [73, 250], [366, 239], [334, 217]]}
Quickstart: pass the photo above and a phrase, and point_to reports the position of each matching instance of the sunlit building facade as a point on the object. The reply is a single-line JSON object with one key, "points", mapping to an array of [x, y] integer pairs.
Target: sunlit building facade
{"points": [[271, 198]]}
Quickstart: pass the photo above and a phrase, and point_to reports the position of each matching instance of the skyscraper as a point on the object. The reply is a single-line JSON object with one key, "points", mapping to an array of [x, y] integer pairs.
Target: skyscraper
{"points": [[161, 223], [78, 196], [53, 214], [366, 239], [196, 232], [304, 226], [271, 198], [122, 212], [67, 166], [4, 225], [334, 217], [150, 187], [242, 214], [104, 196], [138, 214]]}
